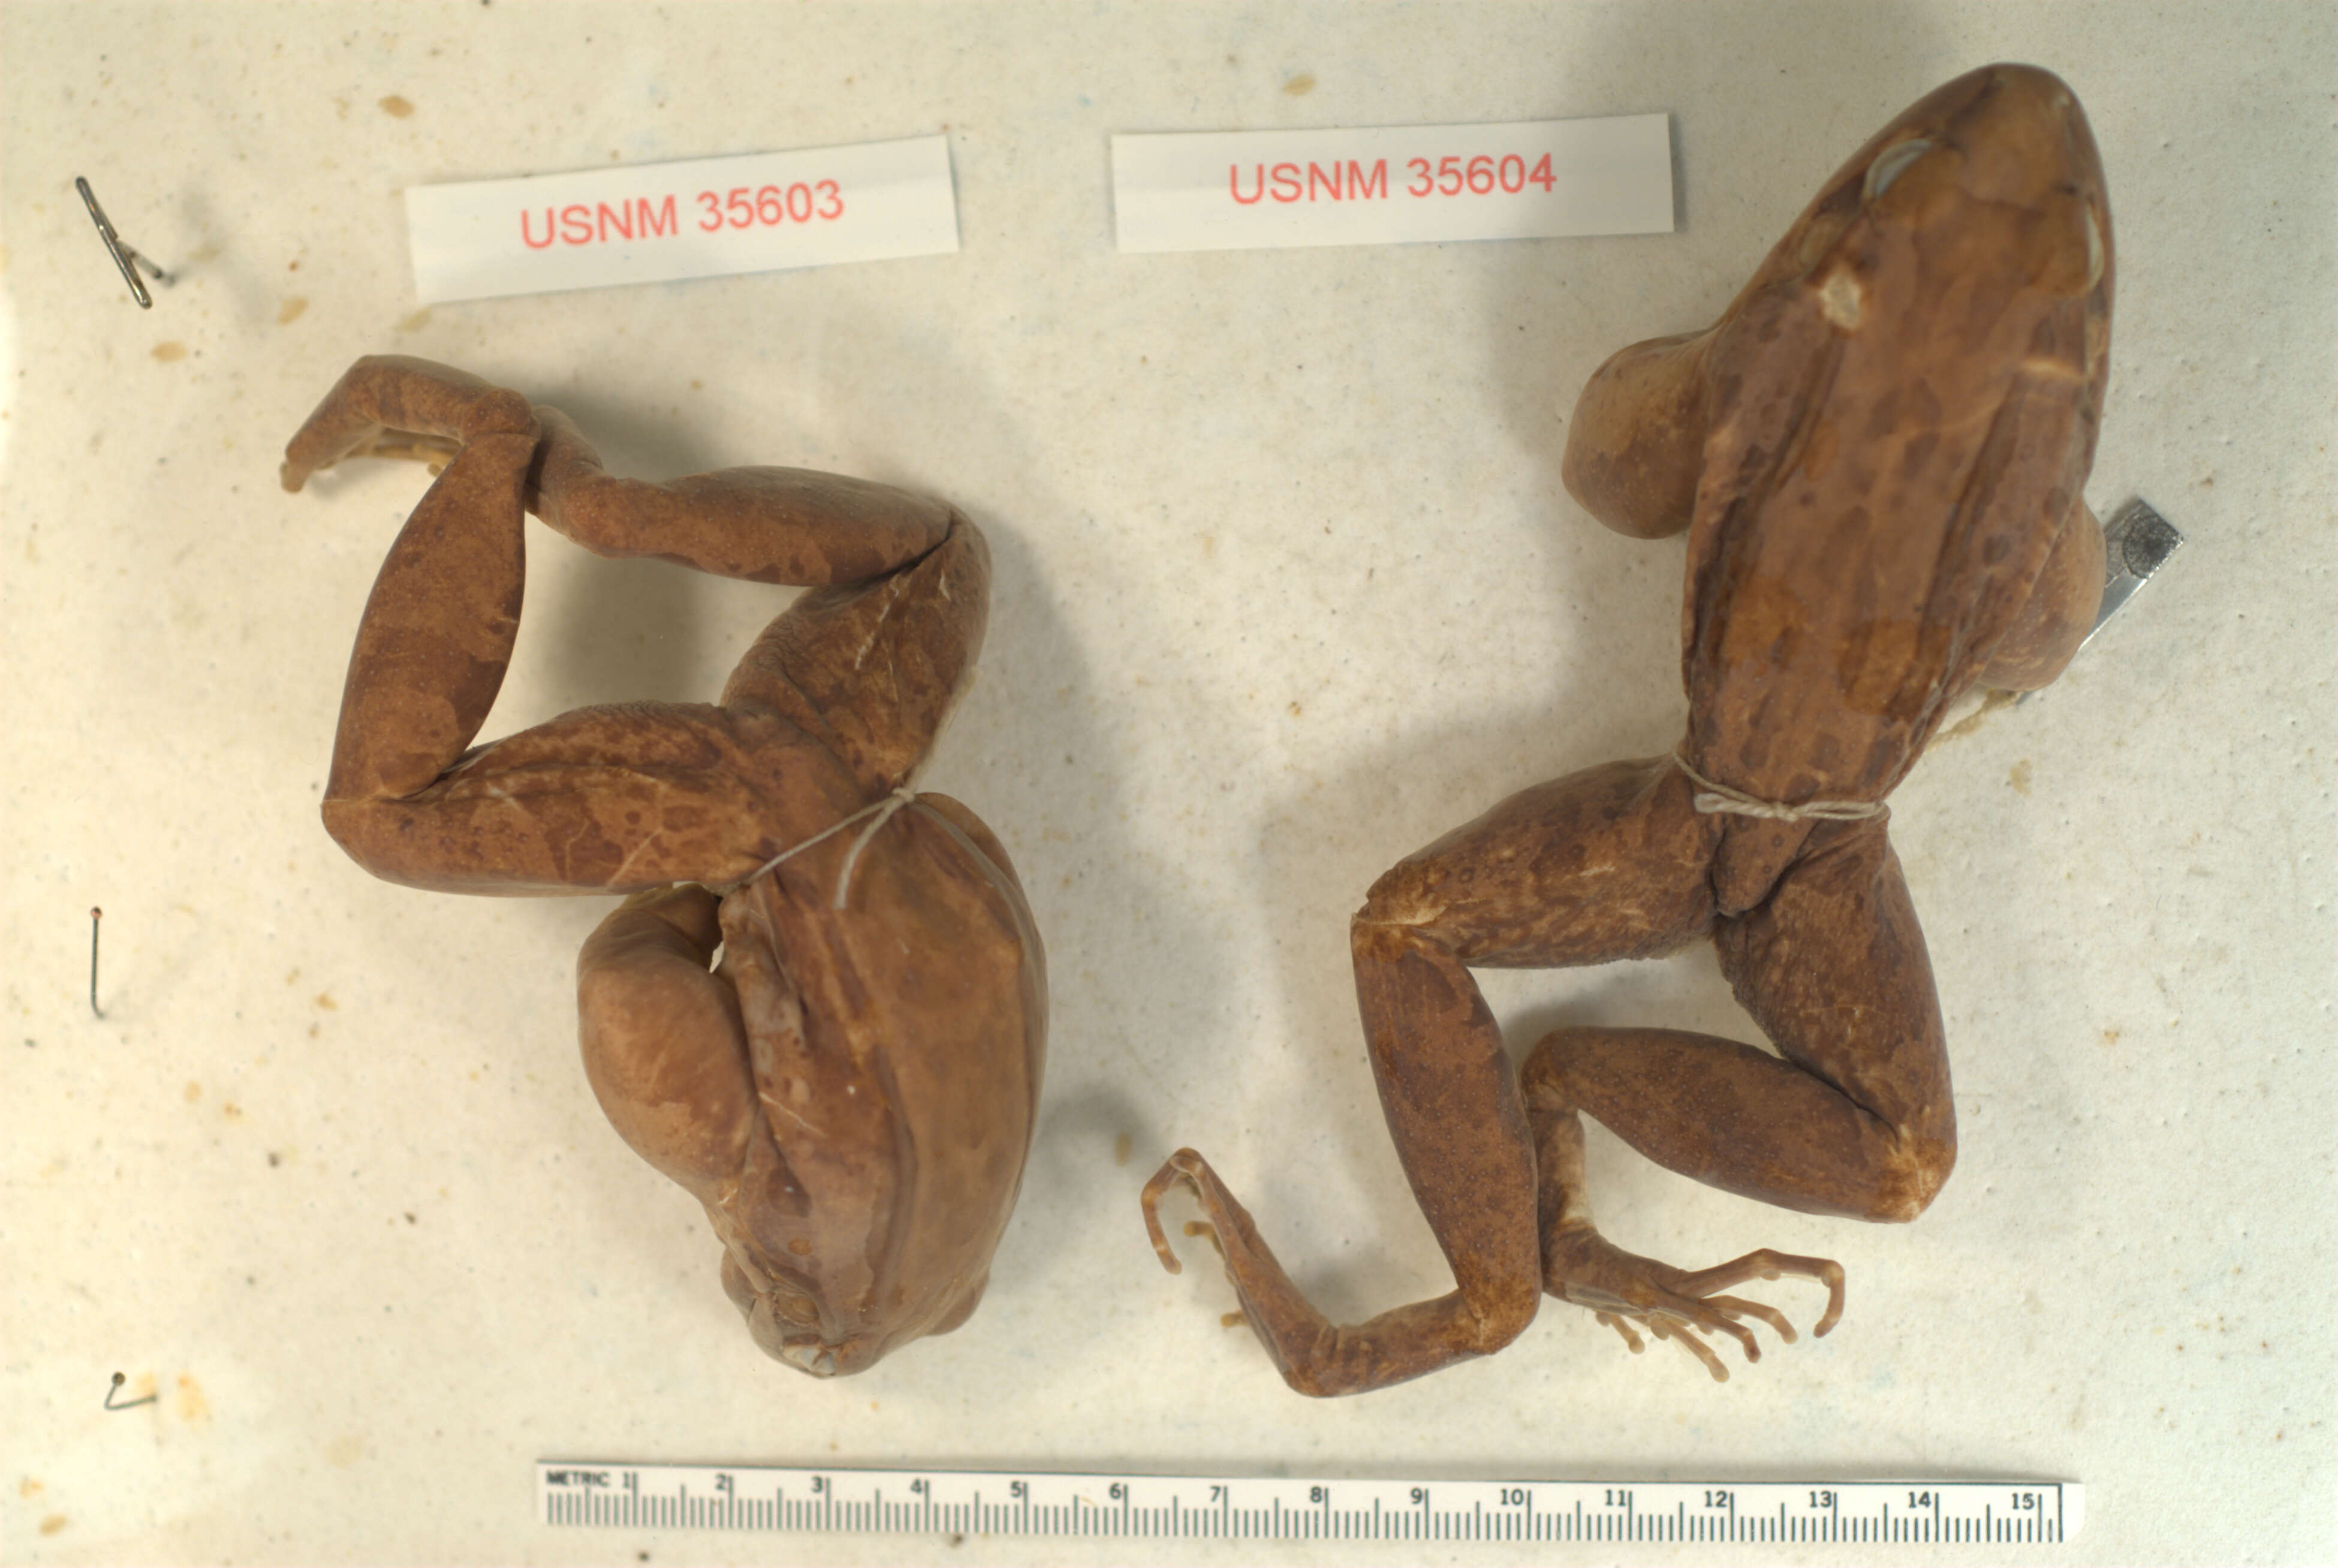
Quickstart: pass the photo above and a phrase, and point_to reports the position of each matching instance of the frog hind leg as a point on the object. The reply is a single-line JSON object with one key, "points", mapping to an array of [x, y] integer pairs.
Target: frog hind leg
{"points": [[393, 405], [1854, 1117], [1534, 882], [874, 669], [1320, 1359], [664, 1045], [616, 799], [869, 661], [1621, 1288], [439, 625]]}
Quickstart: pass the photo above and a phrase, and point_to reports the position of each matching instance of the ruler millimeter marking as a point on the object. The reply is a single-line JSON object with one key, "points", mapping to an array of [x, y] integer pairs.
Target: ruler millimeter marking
{"points": [[612, 1495]]}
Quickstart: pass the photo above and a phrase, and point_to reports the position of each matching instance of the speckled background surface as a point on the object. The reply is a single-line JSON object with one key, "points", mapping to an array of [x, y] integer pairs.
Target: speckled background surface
{"points": [[1287, 587]]}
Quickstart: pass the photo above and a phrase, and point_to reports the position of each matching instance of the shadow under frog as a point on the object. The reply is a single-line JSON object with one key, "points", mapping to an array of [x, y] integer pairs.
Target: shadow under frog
{"points": [[850, 1091], [1877, 454]]}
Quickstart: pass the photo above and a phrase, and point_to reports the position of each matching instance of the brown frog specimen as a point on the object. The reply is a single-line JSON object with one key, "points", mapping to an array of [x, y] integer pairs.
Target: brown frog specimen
{"points": [[850, 1090], [1877, 454]]}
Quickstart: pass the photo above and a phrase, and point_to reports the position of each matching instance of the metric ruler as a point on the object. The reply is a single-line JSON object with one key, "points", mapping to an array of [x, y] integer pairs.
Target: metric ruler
{"points": [[614, 1494]]}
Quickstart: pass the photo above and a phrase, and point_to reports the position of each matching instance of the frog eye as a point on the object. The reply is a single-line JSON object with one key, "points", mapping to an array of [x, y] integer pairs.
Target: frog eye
{"points": [[1891, 163]]}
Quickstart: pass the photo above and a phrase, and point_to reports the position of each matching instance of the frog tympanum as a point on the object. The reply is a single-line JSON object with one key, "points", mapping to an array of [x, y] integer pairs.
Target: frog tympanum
{"points": [[1877, 454], [849, 1090]]}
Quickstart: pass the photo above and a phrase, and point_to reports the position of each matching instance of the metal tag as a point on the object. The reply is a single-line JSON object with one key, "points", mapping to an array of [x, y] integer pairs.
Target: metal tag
{"points": [[2137, 543]]}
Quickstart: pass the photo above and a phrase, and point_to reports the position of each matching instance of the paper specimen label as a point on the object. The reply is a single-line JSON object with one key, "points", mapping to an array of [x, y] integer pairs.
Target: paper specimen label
{"points": [[699, 218], [1526, 180]]}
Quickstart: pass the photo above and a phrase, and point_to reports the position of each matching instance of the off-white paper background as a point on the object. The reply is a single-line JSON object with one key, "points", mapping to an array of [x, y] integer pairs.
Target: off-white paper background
{"points": [[1286, 587]]}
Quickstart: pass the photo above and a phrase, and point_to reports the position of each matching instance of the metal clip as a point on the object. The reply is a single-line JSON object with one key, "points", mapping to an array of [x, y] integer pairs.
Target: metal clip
{"points": [[127, 1404], [126, 257]]}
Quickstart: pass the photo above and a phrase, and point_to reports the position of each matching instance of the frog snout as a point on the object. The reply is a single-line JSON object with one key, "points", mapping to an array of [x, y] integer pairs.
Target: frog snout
{"points": [[809, 1356], [809, 1353], [2025, 140]]}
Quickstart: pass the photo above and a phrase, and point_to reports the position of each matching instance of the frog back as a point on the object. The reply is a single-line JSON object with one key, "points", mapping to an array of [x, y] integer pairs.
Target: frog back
{"points": [[897, 1045], [1903, 405]]}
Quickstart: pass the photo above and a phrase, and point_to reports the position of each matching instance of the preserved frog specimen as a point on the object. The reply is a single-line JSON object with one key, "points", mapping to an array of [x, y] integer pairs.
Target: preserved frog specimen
{"points": [[850, 1090], [1877, 455]]}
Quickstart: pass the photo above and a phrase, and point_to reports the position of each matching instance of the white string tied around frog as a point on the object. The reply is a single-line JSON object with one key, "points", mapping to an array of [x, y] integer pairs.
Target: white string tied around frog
{"points": [[880, 809], [1720, 798]]}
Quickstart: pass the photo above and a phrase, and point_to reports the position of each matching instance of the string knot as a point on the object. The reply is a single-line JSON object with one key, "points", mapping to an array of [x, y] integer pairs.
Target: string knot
{"points": [[1712, 797]]}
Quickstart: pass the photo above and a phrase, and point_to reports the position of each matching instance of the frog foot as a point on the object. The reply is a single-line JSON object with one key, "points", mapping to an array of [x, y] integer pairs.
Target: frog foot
{"points": [[1189, 1169], [1621, 1288], [1292, 1331]]}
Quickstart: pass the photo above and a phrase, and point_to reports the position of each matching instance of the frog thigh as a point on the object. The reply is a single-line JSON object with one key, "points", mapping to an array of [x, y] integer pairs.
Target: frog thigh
{"points": [[872, 670], [617, 798], [1605, 864], [1832, 967], [663, 1039]]}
